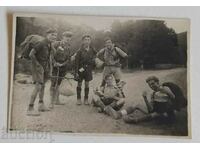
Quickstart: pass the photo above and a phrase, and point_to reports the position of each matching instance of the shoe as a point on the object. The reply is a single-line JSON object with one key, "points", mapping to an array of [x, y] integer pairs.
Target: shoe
{"points": [[32, 112], [135, 120], [42, 108], [110, 111], [59, 103], [86, 101], [78, 102], [99, 110]]}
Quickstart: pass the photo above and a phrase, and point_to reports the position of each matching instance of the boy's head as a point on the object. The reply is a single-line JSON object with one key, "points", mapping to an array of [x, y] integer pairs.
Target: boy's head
{"points": [[153, 82], [86, 40], [67, 36], [109, 79], [108, 43], [51, 34]]}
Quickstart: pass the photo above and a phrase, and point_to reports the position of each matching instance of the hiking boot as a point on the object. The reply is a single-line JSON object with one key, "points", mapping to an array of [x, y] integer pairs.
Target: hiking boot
{"points": [[111, 112], [135, 120], [99, 110], [32, 112], [42, 107], [86, 101], [78, 102]]}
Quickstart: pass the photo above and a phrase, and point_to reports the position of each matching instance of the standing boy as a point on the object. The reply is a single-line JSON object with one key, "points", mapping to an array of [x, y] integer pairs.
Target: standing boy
{"points": [[84, 64], [111, 55], [40, 56], [61, 64]]}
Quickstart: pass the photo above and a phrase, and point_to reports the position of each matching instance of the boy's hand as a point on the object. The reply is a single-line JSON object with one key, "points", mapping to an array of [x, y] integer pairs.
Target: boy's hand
{"points": [[57, 64], [144, 94], [76, 77]]}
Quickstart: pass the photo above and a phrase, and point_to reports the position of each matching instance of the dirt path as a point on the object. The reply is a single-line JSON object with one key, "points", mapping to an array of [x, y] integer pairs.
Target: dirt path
{"points": [[85, 119]]}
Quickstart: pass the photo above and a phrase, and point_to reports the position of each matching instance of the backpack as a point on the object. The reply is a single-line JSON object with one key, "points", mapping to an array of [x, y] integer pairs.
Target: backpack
{"points": [[180, 101], [28, 44]]}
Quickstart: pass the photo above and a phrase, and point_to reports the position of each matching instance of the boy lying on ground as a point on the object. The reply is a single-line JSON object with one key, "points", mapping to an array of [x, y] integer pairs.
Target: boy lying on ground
{"points": [[110, 96], [164, 100]]}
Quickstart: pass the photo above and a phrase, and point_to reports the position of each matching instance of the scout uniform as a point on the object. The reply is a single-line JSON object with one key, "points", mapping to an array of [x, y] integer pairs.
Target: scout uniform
{"points": [[40, 73], [84, 64], [61, 54], [40, 56], [112, 61], [161, 102], [107, 96]]}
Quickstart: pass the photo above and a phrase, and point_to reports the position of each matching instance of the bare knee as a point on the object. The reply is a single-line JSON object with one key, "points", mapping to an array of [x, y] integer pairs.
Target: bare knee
{"points": [[38, 86]]}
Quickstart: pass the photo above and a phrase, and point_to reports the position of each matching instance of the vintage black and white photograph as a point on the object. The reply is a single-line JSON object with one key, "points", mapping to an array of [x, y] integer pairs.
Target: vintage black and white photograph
{"points": [[100, 75]]}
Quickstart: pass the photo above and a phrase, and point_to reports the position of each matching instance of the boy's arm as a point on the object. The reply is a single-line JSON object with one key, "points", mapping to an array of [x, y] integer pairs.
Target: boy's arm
{"points": [[33, 57], [53, 51], [98, 92], [148, 104], [101, 51], [117, 98], [77, 62], [121, 52], [168, 92]]}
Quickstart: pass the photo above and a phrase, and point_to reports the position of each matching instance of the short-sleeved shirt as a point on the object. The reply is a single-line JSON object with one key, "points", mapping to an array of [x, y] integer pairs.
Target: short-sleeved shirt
{"points": [[112, 57], [42, 52], [62, 51], [160, 96]]}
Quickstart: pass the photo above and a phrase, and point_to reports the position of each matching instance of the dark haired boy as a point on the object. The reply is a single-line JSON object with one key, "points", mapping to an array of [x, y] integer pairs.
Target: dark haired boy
{"points": [[160, 104], [40, 57], [84, 64], [111, 56], [61, 64]]}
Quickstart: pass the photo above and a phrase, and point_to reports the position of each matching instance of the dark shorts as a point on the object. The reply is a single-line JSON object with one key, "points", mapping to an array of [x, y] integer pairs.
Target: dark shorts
{"points": [[85, 75], [162, 107], [107, 101], [60, 72]]}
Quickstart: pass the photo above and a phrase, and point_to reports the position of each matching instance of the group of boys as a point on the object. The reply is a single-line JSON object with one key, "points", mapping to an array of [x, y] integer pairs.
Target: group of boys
{"points": [[53, 59]]}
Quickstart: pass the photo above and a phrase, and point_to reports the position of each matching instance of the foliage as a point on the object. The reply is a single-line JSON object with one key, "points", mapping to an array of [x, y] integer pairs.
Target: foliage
{"points": [[147, 42]]}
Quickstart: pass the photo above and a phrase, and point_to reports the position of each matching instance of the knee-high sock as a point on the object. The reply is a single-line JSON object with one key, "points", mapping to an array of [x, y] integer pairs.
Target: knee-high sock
{"points": [[86, 93], [78, 90]]}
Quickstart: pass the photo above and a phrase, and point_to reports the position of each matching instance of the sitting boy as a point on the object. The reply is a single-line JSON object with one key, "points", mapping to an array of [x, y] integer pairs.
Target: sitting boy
{"points": [[109, 97], [163, 103]]}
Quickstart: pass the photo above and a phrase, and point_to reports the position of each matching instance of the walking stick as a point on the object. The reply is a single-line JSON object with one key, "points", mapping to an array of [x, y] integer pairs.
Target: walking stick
{"points": [[57, 75]]}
